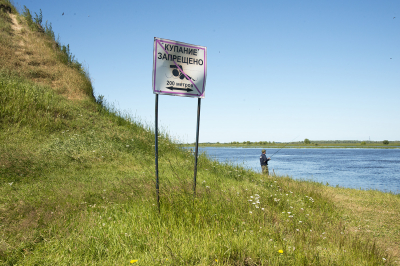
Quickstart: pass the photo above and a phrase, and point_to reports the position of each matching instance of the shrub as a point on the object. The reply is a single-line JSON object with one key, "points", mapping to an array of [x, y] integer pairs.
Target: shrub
{"points": [[386, 142], [7, 7], [65, 55], [307, 141], [34, 24]]}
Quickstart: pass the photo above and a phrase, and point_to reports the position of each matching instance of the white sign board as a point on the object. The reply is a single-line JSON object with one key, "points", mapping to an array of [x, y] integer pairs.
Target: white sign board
{"points": [[179, 68]]}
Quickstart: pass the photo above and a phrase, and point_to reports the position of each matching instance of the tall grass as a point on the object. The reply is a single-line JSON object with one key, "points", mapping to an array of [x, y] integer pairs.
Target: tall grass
{"points": [[24, 103]]}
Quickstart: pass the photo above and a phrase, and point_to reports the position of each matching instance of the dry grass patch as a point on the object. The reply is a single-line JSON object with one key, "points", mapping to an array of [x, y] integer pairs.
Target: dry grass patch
{"points": [[372, 214], [35, 56]]}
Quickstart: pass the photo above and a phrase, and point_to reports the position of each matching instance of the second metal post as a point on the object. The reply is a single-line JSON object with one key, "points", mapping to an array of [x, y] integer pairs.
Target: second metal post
{"points": [[197, 146], [156, 153]]}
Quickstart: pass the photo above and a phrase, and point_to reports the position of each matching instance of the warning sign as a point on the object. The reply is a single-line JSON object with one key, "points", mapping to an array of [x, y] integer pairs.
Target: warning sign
{"points": [[179, 68]]}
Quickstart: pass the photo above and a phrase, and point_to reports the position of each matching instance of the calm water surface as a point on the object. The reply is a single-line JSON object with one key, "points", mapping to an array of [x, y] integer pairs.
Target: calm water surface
{"points": [[353, 168]]}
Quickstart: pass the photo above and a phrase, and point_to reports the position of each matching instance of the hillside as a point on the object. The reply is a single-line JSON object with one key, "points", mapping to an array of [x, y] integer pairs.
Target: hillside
{"points": [[77, 183]]}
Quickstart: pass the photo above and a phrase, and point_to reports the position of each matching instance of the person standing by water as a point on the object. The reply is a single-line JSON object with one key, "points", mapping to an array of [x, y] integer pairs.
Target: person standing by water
{"points": [[264, 162]]}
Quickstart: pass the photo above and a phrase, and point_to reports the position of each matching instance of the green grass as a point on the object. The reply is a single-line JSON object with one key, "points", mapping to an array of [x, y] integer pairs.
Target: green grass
{"points": [[77, 187]]}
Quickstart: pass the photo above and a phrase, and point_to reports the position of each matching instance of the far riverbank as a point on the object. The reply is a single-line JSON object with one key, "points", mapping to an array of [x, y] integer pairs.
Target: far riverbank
{"points": [[301, 144]]}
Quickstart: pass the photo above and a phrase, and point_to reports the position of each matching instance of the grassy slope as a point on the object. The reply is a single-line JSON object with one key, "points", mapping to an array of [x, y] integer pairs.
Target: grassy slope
{"points": [[77, 187]]}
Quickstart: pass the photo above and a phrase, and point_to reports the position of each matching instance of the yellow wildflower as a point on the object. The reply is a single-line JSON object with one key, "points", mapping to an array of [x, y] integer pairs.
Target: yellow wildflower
{"points": [[133, 261], [280, 251]]}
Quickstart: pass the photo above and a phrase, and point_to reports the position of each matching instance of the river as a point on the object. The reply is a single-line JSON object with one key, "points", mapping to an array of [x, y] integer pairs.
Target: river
{"points": [[377, 169]]}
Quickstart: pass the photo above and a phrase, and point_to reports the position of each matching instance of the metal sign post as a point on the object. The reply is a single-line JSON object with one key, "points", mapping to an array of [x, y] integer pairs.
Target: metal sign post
{"points": [[197, 146], [179, 69], [156, 154]]}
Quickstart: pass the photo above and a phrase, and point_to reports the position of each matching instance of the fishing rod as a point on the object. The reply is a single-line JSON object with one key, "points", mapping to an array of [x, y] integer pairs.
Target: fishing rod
{"points": [[283, 146]]}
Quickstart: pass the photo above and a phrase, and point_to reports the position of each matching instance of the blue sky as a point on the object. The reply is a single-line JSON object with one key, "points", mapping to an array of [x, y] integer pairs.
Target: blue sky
{"points": [[276, 70]]}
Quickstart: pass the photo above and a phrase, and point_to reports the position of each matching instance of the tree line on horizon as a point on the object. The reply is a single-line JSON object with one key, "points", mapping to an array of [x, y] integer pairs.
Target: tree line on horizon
{"points": [[305, 141]]}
